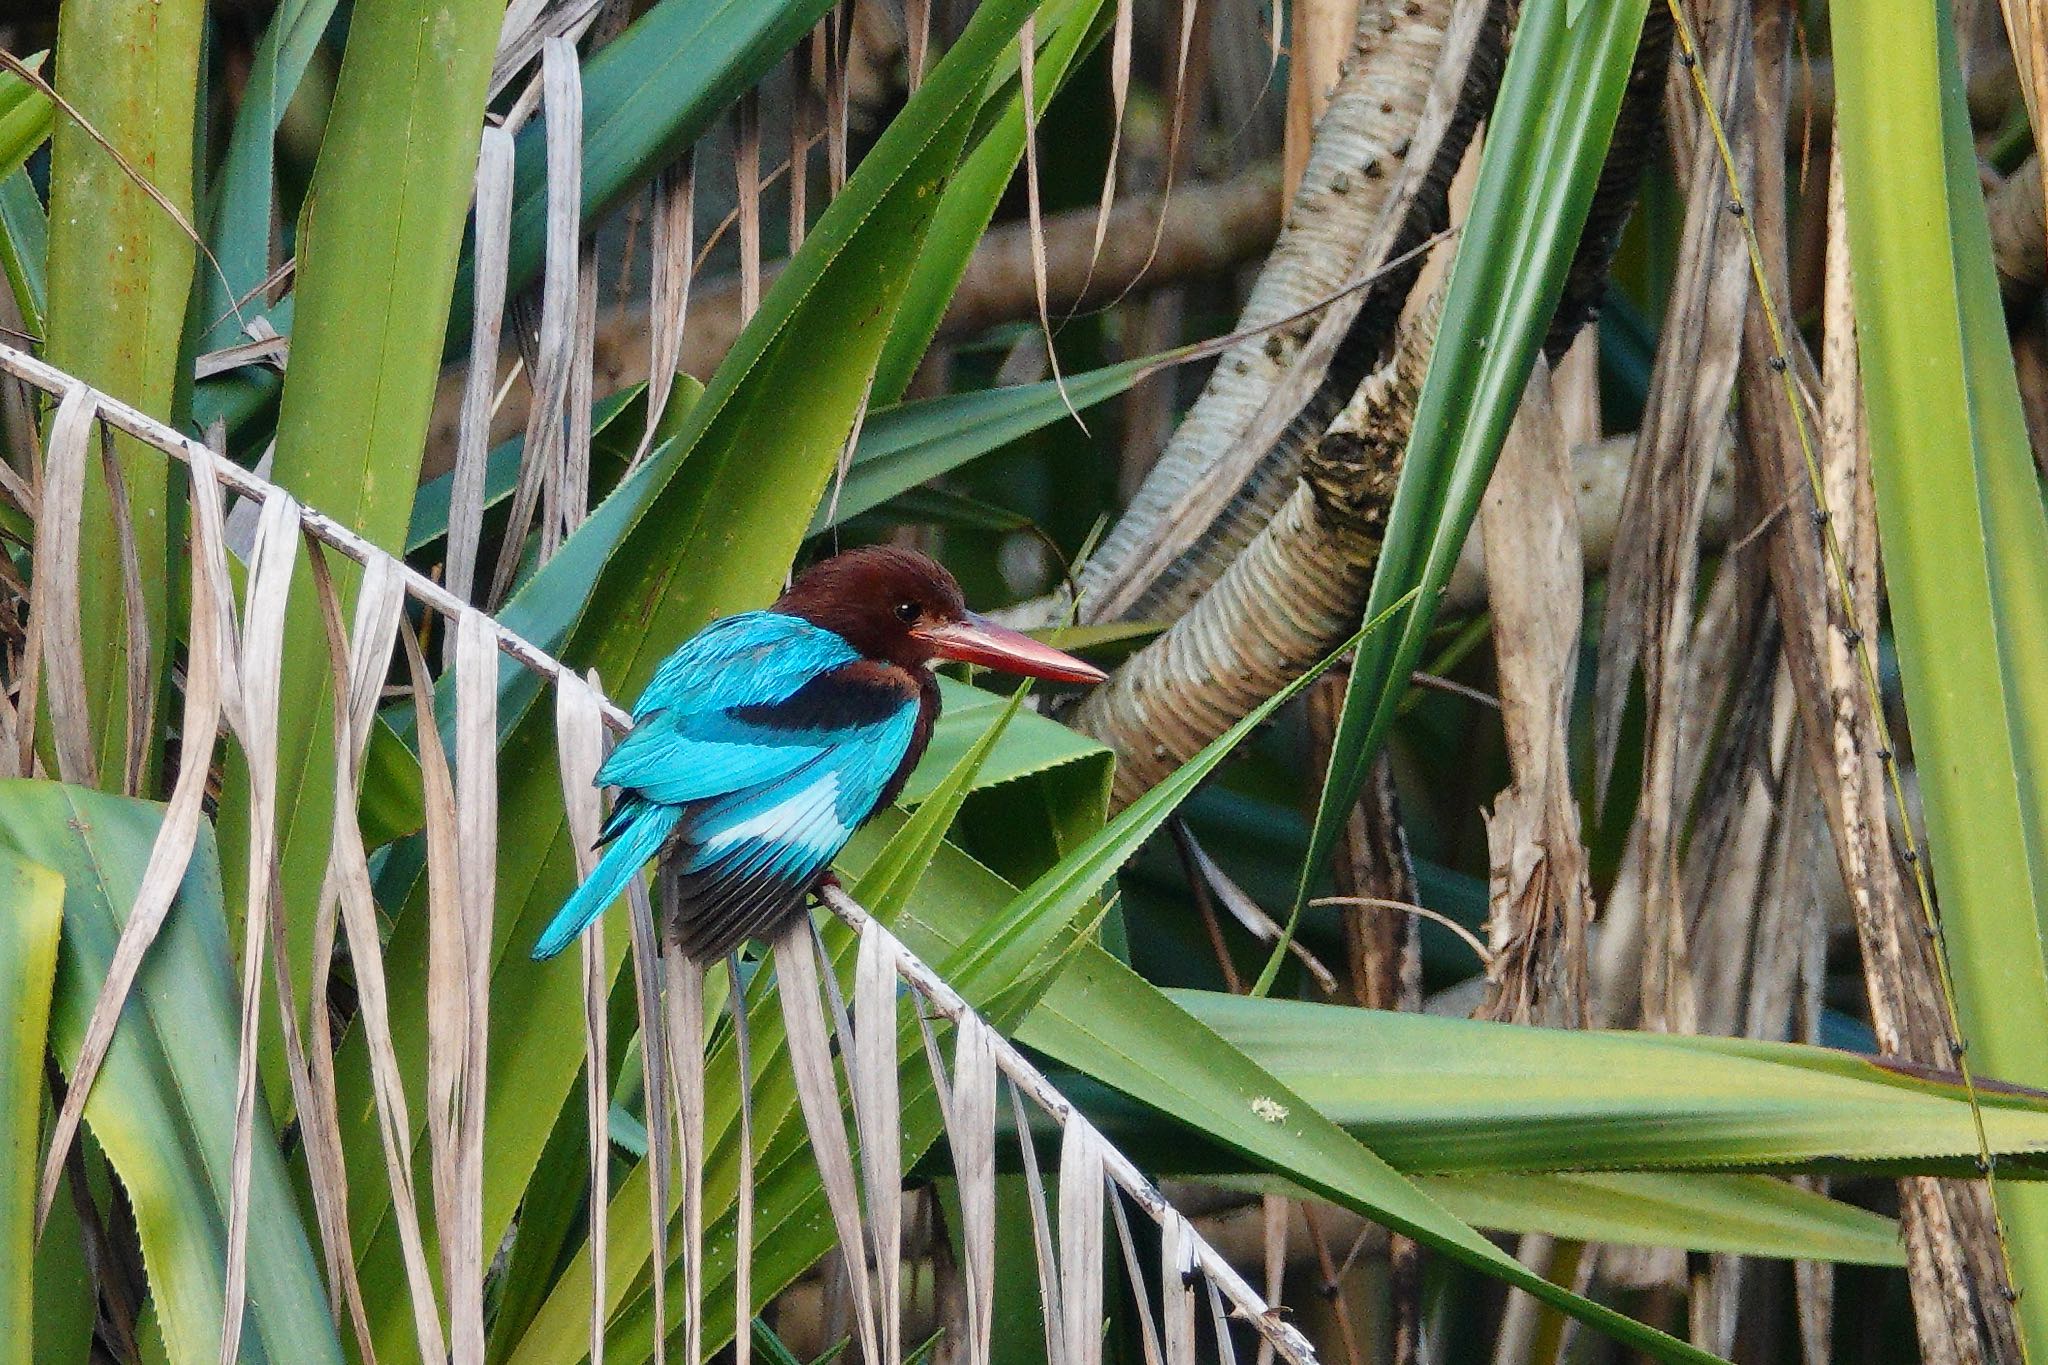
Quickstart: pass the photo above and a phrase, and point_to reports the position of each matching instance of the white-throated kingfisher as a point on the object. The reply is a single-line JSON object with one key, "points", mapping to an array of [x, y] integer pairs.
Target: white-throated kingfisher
{"points": [[769, 737]]}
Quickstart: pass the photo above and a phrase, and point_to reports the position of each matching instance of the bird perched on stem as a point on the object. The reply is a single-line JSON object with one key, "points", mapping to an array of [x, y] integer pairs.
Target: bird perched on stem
{"points": [[769, 737]]}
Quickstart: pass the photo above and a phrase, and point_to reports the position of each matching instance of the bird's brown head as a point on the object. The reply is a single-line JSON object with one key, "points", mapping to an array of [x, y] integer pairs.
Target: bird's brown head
{"points": [[898, 605]]}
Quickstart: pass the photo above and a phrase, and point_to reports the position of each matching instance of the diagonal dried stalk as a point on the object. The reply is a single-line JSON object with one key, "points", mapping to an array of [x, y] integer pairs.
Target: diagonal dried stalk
{"points": [[473, 439], [255, 723], [529, 24], [359, 669], [579, 745], [1655, 569], [1541, 905], [461, 817]]}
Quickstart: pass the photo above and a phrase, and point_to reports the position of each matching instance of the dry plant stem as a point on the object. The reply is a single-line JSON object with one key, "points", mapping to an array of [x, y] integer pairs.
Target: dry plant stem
{"points": [[1372, 868], [1950, 1235], [255, 723], [944, 1002], [1824, 578], [2026, 31], [1294, 594], [1541, 903], [2019, 231], [461, 816], [1208, 227], [493, 225], [1373, 873], [1217, 483], [1655, 568], [579, 744], [671, 244], [359, 671]]}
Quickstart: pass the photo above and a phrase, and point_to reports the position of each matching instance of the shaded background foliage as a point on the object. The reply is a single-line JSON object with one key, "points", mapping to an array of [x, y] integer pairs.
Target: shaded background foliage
{"points": [[609, 314]]}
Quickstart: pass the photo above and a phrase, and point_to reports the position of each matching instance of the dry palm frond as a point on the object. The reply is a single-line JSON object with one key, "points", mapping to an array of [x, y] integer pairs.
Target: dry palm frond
{"points": [[359, 667], [255, 724], [1094, 1180], [473, 439], [1655, 570], [547, 450], [1541, 904]]}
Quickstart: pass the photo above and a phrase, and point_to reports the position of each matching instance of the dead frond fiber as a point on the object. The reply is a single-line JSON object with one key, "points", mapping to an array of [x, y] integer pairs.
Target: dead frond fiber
{"points": [[233, 675]]}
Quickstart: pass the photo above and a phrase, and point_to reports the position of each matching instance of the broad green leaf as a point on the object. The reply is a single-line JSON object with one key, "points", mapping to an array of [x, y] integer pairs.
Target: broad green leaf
{"points": [[1743, 1215], [377, 246], [886, 885], [239, 226], [1102, 1018], [552, 1218], [906, 445], [31, 913], [1068, 29], [1965, 544], [1044, 911], [25, 116], [110, 243], [1546, 142], [728, 503], [24, 247], [163, 1107], [67, 1306], [1451, 1096], [1030, 745]]}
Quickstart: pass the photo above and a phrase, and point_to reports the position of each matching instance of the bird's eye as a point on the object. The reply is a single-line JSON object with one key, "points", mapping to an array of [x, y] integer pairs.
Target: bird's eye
{"points": [[906, 612]]}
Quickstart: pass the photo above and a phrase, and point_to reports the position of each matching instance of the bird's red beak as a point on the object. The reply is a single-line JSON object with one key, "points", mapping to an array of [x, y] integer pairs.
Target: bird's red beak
{"points": [[978, 640]]}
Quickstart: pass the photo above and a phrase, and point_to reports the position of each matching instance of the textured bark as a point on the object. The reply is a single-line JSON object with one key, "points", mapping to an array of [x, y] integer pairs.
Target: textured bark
{"points": [[1293, 594], [1541, 903], [1653, 578], [1952, 1258], [1296, 590], [1364, 200]]}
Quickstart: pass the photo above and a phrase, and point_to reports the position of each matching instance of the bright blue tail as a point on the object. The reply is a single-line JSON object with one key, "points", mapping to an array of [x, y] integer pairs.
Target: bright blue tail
{"points": [[640, 838]]}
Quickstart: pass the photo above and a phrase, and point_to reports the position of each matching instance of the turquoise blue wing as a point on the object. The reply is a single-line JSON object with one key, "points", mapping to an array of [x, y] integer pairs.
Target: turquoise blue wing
{"points": [[747, 857]]}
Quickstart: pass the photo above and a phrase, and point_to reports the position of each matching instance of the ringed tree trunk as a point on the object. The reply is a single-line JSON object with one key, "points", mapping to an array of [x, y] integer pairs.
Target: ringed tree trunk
{"points": [[1210, 492]]}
